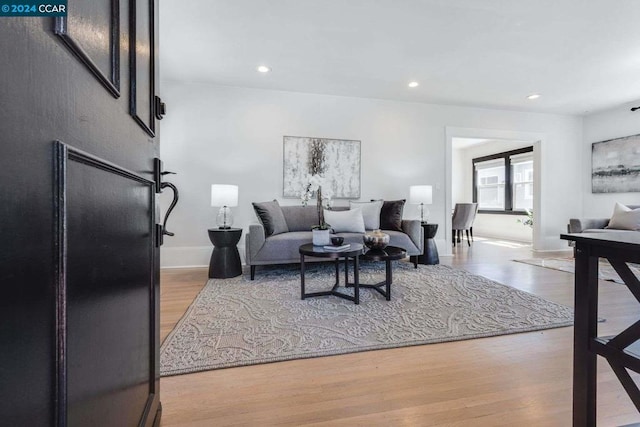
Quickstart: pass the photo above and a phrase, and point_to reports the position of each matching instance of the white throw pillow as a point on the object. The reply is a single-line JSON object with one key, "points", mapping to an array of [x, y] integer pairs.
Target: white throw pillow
{"points": [[345, 221], [624, 218], [370, 213]]}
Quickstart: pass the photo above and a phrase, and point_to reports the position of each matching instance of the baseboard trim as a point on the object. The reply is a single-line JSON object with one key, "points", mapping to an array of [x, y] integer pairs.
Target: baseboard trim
{"points": [[189, 256], [553, 250], [176, 267]]}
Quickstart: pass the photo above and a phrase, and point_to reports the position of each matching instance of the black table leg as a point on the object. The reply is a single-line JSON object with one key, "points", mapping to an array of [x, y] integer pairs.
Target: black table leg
{"points": [[585, 329], [356, 279], [389, 279], [302, 276], [346, 271]]}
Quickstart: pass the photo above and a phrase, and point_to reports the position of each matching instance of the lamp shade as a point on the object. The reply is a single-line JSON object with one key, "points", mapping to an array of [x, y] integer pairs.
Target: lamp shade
{"points": [[420, 194], [224, 195]]}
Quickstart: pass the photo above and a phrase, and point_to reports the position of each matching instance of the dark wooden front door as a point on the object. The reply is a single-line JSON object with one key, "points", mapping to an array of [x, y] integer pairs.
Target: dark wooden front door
{"points": [[79, 259]]}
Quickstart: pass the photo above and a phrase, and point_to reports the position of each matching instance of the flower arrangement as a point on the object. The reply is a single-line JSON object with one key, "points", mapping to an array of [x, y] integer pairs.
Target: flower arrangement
{"points": [[314, 185]]}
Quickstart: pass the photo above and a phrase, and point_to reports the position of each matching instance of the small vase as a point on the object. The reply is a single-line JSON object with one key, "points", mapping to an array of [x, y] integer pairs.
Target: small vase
{"points": [[321, 237]]}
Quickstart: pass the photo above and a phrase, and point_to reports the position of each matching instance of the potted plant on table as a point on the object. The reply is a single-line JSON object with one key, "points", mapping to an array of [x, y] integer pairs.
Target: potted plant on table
{"points": [[321, 231]]}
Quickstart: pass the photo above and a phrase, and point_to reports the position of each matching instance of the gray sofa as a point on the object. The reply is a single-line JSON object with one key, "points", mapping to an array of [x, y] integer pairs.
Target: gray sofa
{"points": [[595, 225], [283, 248]]}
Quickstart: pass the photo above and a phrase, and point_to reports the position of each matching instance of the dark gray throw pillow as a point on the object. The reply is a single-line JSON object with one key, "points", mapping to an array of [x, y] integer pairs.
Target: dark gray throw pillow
{"points": [[271, 216], [391, 215]]}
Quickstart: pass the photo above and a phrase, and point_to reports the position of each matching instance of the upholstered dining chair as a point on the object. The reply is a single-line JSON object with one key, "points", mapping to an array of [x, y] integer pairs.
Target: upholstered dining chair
{"points": [[463, 216]]}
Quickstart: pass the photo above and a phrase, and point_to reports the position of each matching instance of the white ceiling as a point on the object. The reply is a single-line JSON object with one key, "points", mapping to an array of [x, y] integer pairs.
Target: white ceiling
{"points": [[580, 55]]}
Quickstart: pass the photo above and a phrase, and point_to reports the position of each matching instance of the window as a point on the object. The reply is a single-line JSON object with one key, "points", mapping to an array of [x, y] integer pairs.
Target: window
{"points": [[503, 182], [522, 183], [490, 188]]}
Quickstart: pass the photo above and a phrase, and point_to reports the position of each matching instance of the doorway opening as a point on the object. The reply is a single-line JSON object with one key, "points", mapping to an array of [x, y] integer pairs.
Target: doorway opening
{"points": [[497, 172]]}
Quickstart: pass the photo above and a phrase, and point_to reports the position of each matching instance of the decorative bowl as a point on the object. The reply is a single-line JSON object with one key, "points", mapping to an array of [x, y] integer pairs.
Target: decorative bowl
{"points": [[376, 239], [337, 240]]}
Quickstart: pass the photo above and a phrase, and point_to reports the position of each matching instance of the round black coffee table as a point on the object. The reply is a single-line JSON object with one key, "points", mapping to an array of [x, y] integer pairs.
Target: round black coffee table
{"points": [[353, 252], [388, 254]]}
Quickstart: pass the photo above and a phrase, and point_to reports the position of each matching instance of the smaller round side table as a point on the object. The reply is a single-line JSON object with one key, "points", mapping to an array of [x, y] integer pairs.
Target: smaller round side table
{"points": [[225, 259]]}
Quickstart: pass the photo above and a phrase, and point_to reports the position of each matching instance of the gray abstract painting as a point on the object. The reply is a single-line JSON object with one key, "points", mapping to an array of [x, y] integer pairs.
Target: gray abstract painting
{"points": [[615, 165], [335, 161]]}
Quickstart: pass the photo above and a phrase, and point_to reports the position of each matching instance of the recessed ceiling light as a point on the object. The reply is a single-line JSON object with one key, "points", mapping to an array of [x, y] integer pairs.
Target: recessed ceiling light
{"points": [[414, 84], [264, 69], [533, 96]]}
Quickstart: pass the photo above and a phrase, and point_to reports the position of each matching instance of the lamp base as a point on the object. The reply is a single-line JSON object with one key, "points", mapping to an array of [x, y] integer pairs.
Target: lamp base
{"points": [[424, 214], [224, 218]]}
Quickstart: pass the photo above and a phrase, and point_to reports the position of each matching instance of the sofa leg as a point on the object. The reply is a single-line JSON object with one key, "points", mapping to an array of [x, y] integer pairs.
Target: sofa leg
{"points": [[415, 261], [253, 272]]}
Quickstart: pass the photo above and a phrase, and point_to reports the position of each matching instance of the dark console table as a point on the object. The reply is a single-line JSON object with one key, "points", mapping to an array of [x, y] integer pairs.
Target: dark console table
{"points": [[225, 259], [430, 254], [621, 351]]}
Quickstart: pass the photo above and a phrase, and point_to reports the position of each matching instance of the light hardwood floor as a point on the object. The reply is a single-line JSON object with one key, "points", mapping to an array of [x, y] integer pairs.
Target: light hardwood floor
{"points": [[511, 380]]}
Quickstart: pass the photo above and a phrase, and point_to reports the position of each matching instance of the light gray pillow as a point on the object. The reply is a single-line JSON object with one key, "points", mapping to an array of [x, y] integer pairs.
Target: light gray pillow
{"points": [[370, 213], [271, 216], [350, 221], [624, 218]]}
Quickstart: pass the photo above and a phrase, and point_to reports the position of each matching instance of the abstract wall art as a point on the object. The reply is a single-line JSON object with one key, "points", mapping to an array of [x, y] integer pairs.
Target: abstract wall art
{"points": [[336, 162], [615, 165]]}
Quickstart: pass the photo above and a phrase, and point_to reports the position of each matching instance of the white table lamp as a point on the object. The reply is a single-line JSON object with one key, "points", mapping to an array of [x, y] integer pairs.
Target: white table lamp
{"points": [[225, 196], [421, 195]]}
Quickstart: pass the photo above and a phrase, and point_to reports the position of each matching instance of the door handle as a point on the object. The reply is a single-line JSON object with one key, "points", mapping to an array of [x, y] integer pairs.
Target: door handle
{"points": [[158, 174], [173, 204]]}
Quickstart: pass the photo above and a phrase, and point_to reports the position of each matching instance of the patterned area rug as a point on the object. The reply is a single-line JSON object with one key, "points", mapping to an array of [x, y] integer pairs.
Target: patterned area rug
{"points": [[605, 271], [236, 322]]}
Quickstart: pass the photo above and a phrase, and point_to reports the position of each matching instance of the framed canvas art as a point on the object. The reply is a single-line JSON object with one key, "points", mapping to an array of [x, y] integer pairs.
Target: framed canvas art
{"points": [[615, 165], [335, 161]]}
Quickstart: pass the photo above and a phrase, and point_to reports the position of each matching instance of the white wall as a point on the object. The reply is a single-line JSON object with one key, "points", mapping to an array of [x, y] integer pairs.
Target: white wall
{"points": [[487, 225], [614, 123], [215, 134], [458, 181]]}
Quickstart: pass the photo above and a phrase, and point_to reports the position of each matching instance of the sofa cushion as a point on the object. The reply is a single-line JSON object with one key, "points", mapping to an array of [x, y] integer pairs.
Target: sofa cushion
{"points": [[350, 221], [370, 213], [624, 218], [391, 215], [396, 238], [604, 230], [283, 247], [300, 218], [271, 216]]}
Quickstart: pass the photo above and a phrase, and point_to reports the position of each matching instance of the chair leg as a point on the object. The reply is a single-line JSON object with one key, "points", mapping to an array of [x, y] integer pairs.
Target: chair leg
{"points": [[459, 236], [453, 237], [253, 272], [471, 231], [468, 241]]}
